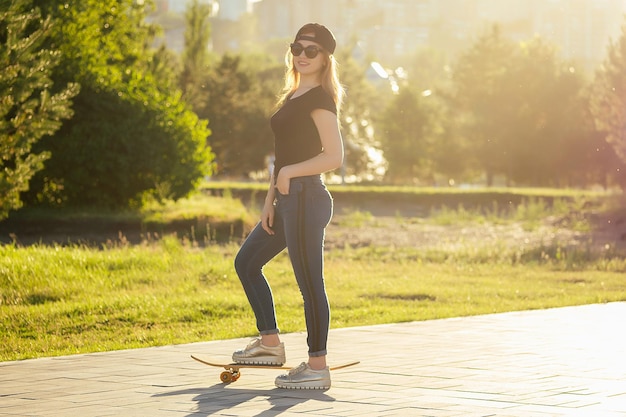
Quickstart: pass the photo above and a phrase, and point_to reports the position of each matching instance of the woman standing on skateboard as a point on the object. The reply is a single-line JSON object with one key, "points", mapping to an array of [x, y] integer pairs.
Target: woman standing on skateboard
{"points": [[298, 207]]}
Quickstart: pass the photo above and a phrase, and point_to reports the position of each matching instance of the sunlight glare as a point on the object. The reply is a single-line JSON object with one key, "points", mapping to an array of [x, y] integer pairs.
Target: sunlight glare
{"points": [[380, 71]]}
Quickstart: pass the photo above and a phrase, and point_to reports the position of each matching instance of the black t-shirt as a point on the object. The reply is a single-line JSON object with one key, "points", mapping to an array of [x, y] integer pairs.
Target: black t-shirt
{"points": [[296, 138]]}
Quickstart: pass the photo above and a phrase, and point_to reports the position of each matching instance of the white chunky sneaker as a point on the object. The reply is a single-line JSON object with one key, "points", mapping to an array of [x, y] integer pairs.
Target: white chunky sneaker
{"points": [[258, 354], [303, 377]]}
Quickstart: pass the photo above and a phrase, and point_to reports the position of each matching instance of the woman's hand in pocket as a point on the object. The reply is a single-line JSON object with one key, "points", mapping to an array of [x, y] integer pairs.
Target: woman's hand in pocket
{"points": [[283, 180]]}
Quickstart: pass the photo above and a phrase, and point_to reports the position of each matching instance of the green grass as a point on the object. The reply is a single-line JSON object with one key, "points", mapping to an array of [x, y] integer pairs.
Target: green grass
{"points": [[75, 299], [394, 286], [66, 300], [531, 213], [57, 300], [198, 206], [223, 209]]}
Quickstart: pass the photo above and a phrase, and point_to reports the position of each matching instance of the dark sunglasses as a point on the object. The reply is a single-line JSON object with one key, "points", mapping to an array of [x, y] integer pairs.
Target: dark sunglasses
{"points": [[310, 51]]}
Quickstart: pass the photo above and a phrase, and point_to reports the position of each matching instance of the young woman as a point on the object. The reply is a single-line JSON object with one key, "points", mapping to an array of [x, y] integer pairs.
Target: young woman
{"points": [[298, 207]]}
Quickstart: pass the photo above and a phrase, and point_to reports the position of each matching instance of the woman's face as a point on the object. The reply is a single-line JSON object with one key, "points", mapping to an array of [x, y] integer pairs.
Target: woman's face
{"points": [[309, 66]]}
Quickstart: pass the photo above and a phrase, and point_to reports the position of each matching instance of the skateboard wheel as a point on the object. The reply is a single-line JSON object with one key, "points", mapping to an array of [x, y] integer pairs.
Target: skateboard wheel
{"points": [[226, 377], [234, 376]]}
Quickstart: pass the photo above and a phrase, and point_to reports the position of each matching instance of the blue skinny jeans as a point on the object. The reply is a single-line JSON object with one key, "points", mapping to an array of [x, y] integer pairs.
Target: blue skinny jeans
{"points": [[300, 221]]}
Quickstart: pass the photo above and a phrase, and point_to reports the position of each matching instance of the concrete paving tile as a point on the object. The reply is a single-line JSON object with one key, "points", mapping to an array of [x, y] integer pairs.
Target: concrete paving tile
{"points": [[552, 362]]}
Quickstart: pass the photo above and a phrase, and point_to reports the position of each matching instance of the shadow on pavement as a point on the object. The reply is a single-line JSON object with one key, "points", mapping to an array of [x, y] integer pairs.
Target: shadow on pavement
{"points": [[218, 398]]}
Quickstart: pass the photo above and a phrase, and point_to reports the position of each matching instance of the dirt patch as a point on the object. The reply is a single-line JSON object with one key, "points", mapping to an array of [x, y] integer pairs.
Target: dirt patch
{"points": [[607, 234], [394, 232]]}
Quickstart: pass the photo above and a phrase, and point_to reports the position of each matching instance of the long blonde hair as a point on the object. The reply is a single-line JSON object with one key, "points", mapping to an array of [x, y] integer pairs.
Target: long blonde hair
{"points": [[330, 80]]}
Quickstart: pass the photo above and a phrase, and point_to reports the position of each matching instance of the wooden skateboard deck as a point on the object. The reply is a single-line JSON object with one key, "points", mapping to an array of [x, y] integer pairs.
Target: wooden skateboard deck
{"points": [[232, 370]]}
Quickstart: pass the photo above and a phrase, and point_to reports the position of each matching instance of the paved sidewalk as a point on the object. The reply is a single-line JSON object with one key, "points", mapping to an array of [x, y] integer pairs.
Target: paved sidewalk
{"points": [[558, 362]]}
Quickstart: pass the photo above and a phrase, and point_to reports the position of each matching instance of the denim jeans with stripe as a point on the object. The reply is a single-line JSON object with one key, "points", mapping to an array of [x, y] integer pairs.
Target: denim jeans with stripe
{"points": [[300, 220]]}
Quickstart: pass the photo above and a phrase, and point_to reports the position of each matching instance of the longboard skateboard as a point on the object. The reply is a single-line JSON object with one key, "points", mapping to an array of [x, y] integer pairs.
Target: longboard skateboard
{"points": [[232, 370]]}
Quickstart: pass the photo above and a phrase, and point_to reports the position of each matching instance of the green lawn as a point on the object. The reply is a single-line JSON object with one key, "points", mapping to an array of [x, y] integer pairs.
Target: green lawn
{"points": [[66, 300], [57, 300]]}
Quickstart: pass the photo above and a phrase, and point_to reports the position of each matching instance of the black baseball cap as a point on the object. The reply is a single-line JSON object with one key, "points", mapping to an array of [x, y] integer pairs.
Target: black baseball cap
{"points": [[321, 35]]}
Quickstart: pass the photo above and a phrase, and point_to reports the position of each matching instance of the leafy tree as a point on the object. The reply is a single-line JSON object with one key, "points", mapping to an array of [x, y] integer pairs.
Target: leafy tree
{"points": [[357, 118], [523, 113], [608, 100], [165, 65], [29, 106], [597, 163], [406, 135], [132, 133], [233, 93], [238, 106], [427, 69], [448, 149], [429, 77], [479, 93], [196, 54], [546, 138]]}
